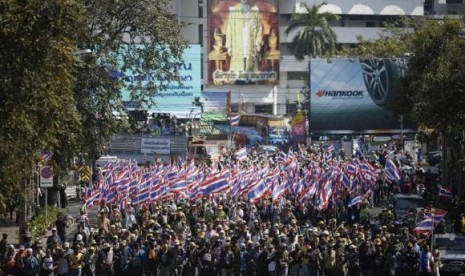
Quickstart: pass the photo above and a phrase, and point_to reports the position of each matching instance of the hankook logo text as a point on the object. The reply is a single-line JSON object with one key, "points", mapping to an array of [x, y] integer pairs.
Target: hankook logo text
{"points": [[339, 93]]}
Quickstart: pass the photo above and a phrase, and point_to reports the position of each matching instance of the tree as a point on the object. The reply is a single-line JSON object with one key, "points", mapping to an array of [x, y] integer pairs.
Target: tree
{"points": [[37, 79], [52, 99], [127, 35], [435, 80], [313, 37]]}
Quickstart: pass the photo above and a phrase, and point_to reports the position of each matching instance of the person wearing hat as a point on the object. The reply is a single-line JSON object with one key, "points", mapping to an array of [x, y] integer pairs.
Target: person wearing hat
{"points": [[90, 261], [53, 239], [105, 261], [103, 223], [30, 263]]}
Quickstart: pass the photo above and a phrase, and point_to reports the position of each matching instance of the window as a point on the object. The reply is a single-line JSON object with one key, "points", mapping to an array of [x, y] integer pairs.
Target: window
{"points": [[291, 108], [200, 8], [370, 24], [200, 34], [201, 66], [292, 75], [264, 109]]}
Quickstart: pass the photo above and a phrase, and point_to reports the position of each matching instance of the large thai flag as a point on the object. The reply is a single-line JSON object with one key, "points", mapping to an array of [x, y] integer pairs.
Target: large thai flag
{"points": [[141, 198], [392, 172], [241, 154], [93, 198], [213, 185], [425, 227], [179, 186], [234, 120], [258, 191], [445, 193], [111, 197]]}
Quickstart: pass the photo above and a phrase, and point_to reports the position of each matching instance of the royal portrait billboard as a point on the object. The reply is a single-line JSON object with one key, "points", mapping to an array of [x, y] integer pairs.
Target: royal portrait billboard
{"points": [[356, 96], [243, 42]]}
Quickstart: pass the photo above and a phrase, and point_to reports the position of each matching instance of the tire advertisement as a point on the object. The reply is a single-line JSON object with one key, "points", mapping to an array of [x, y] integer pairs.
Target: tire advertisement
{"points": [[353, 95]]}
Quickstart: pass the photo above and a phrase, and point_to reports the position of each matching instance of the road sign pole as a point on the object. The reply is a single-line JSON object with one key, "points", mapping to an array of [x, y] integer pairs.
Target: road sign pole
{"points": [[46, 202]]}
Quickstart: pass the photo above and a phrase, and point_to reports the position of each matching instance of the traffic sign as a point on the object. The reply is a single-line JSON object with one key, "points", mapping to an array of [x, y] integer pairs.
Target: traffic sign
{"points": [[46, 177]]}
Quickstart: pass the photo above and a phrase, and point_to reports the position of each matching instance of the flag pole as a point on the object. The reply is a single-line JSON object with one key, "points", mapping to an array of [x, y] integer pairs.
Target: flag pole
{"points": [[433, 211]]}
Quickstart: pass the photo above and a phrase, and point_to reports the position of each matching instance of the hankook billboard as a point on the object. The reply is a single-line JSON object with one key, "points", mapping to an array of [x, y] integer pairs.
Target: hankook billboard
{"points": [[352, 95], [243, 45]]}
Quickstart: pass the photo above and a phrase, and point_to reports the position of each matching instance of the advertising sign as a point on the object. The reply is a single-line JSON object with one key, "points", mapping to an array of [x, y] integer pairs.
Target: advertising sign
{"points": [[243, 46], [155, 145], [176, 97], [46, 177], [215, 101], [348, 95]]}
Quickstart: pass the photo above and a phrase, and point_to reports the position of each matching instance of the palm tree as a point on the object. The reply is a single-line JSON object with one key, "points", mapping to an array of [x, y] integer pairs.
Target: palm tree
{"points": [[314, 37]]}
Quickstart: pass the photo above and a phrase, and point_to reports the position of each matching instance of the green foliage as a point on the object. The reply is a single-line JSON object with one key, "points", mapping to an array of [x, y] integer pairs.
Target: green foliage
{"points": [[41, 223], [51, 99], [394, 41], [146, 39], [435, 80], [36, 81], [313, 35]]}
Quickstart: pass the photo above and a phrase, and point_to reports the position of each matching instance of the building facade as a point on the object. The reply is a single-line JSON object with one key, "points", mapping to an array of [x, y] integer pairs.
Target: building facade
{"points": [[276, 76]]}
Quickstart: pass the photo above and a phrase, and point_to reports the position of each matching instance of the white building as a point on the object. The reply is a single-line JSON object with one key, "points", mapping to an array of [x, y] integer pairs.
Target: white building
{"points": [[358, 18]]}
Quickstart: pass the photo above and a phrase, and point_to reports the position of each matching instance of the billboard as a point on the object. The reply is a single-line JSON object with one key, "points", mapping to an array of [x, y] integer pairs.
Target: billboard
{"points": [[352, 95], [215, 101], [177, 98], [243, 42]]}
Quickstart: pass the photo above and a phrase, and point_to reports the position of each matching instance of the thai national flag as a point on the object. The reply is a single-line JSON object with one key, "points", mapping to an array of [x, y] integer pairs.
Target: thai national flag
{"points": [[392, 172], [436, 214], [354, 201], [351, 169], [424, 227], [93, 197], [330, 148], [278, 191], [241, 154], [260, 189], [234, 120], [445, 193], [141, 198], [325, 194], [214, 185], [111, 197], [179, 186]]}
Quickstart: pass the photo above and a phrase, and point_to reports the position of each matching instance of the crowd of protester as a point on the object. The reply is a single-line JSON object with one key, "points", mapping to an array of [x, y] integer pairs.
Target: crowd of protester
{"points": [[220, 235]]}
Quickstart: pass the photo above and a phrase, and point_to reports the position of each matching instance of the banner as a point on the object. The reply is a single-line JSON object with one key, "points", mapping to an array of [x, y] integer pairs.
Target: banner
{"points": [[244, 42], [155, 145], [353, 95], [176, 97], [298, 127]]}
